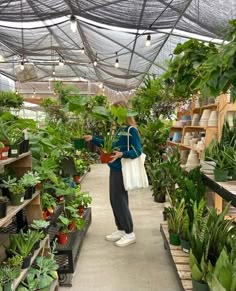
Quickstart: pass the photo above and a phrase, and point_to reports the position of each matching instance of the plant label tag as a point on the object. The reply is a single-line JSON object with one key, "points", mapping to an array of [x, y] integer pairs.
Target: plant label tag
{"points": [[5, 154], [185, 250], [22, 199], [14, 151]]}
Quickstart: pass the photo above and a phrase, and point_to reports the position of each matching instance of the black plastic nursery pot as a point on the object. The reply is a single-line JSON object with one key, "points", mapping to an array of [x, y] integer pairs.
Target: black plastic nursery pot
{"points": [[3, 209], [14, 151], [159, 198], [220, 175], [174, 239], [7, 286], [26, 262], [199, 286], [79, 143], [17, 200], [29, 191], [185, 245]]}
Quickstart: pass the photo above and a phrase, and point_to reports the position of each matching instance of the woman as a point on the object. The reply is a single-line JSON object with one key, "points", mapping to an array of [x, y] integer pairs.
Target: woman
{"points": [[124, 234]]}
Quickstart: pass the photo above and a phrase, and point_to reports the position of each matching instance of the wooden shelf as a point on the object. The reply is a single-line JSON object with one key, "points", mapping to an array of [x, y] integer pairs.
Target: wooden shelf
{"points": [[23, 273], [176, 128], [180, 260], [12, 160], [184, 113], [171, 143], [194, 128], [225, 190], [208, 106], [13, 210]]}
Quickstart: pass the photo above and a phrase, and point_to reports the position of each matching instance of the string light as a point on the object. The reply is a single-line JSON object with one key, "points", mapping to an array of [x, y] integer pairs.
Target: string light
{"points": [[95, 61], [53, 72], [100, 85], [34, 92], [148, 40], [82, 50], [73, 23], [61, 62], [117, 61], [17, 92], [103, 89], [22, 66]]}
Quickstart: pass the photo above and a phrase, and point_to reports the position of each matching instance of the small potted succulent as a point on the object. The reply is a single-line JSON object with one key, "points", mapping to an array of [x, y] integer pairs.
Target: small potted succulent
{"points": [[29, 180], [17, 193], [40, 225]]}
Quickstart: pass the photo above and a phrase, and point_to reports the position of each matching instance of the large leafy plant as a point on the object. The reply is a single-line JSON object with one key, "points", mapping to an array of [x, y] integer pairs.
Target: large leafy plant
{"points": [[217, 73], [182, 69]]}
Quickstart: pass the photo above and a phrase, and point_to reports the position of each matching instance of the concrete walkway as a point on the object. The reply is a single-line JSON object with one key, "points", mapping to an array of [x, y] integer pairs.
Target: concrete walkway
{"points": [[143, 266]]}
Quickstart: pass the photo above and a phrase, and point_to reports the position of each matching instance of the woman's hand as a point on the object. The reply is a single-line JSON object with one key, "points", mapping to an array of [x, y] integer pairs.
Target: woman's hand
{"points": [[87, 137], [116, 155]]}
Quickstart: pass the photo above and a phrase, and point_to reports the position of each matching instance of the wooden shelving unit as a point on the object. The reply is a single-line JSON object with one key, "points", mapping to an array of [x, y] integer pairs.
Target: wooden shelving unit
{"points": [[32, 207], [179, 259], [23, 273], [13, 210]]}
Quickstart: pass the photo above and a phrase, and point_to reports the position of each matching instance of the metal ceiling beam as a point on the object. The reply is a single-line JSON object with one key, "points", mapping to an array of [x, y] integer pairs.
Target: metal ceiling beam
{"points": [[168, 36]]}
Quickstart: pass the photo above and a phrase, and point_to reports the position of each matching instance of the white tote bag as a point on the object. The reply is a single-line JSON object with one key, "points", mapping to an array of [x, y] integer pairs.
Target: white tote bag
{"points": [[133, 170]]}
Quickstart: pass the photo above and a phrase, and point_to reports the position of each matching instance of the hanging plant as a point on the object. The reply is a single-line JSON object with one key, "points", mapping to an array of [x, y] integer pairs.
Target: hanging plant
{"points": [[182, 75], [218, 71]]}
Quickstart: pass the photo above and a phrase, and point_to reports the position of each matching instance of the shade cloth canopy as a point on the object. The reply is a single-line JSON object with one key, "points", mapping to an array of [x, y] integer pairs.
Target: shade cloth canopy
{"points": [[39, 34]]}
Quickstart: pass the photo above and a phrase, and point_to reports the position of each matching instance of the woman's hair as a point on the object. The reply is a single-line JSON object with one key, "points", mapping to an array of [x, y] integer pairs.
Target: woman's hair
{"points": [[129, 120]]}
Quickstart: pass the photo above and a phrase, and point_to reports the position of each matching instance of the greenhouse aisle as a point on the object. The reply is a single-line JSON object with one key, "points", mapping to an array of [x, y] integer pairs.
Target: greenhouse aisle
{"points": [[142, 266]]}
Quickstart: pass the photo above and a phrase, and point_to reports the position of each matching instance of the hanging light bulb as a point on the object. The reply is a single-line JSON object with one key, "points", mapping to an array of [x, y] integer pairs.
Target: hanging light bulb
{"points": [[53, 72], [103, 89], [61, 62], [100, 85], [22, 66], [34, 92], [73, 23], [82, 50], [95, 62], [17, 92], [148, 40], [117, 61]]}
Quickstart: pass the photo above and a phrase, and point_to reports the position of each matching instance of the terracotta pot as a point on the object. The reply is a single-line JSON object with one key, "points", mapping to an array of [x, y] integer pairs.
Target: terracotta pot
{"points": [[4, 153], [62, 238], [105, 158], [76, 179], [72, 226], [44, 214], [80, 210], [60, 198]]}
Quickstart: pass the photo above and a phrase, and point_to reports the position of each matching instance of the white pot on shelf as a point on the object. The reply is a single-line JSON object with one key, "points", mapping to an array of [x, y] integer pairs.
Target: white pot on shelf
{"points": [[207, 167]]}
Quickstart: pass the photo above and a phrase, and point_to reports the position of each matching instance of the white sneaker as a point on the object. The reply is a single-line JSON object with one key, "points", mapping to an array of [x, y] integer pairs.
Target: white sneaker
{"points": [[115, 235], [126, 240]]}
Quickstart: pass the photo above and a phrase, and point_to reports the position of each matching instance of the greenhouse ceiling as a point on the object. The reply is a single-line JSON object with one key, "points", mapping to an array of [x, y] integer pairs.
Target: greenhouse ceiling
{"points": [[37, 42]]}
